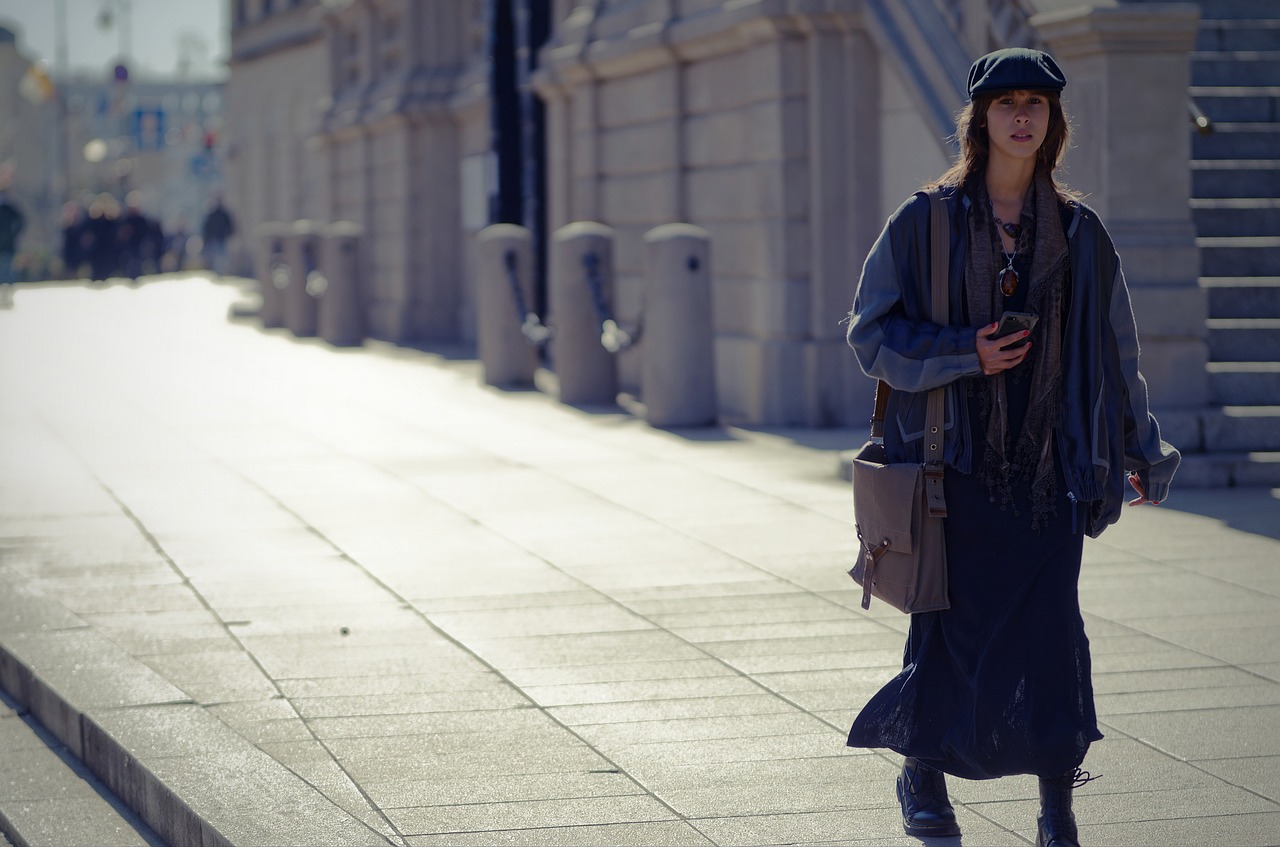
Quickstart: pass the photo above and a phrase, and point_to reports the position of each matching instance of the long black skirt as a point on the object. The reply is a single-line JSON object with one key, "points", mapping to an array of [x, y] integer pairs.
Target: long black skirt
{"points": [[999, 684]]}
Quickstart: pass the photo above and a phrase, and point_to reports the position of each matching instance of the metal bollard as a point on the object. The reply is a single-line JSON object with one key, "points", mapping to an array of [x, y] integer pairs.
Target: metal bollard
{"points": [[340, 320], [677, 377], [273, 272], [505, 323], [585, 370], [306, 281]]}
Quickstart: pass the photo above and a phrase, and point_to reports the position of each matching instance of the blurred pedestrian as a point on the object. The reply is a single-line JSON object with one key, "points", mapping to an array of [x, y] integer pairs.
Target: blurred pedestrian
{"points": [[132, 234], [12, 222], [175, 247], [217, 230], [1038, 441], [100, 243], [72, 223]]}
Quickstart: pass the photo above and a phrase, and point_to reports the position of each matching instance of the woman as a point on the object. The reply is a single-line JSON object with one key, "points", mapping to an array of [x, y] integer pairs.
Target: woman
{"points": [[1036, 436]]}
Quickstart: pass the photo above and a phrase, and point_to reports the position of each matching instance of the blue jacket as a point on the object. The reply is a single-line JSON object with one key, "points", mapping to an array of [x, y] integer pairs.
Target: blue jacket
{"points": [[1105, 428]]}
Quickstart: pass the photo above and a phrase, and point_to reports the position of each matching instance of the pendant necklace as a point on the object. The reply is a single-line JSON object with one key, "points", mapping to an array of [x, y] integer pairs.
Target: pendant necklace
{"points": [[1007, 279]]}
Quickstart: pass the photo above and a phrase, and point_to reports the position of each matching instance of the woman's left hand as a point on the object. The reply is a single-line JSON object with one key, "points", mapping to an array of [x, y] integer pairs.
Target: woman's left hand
{"points": [[1142, 495]]}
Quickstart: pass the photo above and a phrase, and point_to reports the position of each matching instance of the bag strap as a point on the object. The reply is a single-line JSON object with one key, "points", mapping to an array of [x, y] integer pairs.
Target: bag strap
{"points": [[939, 313]]}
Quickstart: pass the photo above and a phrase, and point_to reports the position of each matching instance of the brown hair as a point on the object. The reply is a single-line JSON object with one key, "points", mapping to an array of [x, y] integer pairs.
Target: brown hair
{"points": [[971, 132]]}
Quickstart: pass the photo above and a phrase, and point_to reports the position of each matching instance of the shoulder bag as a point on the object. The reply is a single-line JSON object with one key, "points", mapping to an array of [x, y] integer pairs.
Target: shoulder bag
{"points": [[898, 507]]}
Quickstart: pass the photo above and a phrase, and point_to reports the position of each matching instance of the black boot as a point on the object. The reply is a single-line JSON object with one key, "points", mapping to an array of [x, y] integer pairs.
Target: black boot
{"points": [[1057, 823], [926, 811]]}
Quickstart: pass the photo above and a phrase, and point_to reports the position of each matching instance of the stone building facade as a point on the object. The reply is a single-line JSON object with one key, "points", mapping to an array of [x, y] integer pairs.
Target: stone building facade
{"points": [[788, 129]]}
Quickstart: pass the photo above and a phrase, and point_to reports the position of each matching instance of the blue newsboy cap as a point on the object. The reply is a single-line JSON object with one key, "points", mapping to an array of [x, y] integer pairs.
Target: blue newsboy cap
{"points": [[1015, 69]]}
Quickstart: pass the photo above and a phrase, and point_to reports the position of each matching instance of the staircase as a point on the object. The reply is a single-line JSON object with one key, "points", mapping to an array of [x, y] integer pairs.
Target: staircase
{"points": [[1235, 169]]}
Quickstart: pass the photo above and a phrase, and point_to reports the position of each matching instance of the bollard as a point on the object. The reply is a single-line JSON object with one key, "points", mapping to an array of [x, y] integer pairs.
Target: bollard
{"points": [[504, 313], [584, 369], [302, 250], [273, 272], [677, 373], [340, 318]]}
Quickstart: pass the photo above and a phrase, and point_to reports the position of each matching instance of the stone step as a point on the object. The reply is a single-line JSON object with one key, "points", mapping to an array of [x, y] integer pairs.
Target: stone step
{"points": [[1243, 297], [1228, 469], [1244, 339], [1236, 216], [61, 801], [1238, 103], [1245, 383], [1242, 256], [1235, 178], [1247, 10], [1248, 429], [1228, 35], [1240, 67], [1237, 140]]}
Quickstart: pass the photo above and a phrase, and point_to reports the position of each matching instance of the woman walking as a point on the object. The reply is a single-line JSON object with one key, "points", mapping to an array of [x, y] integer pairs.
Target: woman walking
{"points": [[1042, 426]]}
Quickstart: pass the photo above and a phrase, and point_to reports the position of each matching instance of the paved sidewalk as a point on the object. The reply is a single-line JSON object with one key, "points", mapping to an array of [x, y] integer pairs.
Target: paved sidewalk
{"points": [[276, 593]]}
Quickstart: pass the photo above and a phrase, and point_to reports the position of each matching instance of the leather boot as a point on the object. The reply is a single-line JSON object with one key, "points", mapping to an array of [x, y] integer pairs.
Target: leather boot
{"points": [[1057, 823], [926, 811]]}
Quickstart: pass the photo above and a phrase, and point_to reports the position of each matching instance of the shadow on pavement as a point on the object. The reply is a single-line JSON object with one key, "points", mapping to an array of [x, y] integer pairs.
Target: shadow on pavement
{"points": [[1255, 510]]}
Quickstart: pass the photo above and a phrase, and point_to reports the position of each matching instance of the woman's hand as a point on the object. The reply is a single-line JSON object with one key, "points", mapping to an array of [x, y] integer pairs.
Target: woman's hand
{"points": [[1136, 482], [993, 353]]}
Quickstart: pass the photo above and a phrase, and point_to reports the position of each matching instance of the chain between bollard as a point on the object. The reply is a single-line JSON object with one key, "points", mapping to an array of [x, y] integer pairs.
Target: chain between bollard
{"points": [[613, 337], [531, 326]]}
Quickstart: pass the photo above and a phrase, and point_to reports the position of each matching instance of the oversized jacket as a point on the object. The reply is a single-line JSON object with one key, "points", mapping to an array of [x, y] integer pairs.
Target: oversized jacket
{"points": [[1105, 428]]}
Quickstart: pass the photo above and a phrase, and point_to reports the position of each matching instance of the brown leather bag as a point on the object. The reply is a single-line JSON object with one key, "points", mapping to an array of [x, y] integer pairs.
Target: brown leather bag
{"points": [[898, 507]]}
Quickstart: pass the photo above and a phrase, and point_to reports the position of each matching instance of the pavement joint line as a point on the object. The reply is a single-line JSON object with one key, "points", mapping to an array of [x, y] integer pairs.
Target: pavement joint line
{"points": [[195, 591], [181, 823], [457, 642]]}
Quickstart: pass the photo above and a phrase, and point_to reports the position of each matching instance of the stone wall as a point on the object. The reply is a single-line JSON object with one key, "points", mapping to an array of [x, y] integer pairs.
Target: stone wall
{"points": [[789, 131], [275, 97]]}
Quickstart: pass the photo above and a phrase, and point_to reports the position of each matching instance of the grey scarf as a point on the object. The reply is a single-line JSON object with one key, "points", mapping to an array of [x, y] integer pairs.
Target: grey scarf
{"points": [[1029, 457]]}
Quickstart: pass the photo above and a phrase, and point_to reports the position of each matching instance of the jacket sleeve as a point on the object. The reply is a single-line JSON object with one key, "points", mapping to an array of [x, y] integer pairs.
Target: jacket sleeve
{"points": [[889, 339], [1145, 452]]}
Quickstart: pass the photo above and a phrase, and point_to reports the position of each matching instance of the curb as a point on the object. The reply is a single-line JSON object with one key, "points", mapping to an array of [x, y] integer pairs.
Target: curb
{"points": [[160, 753]]}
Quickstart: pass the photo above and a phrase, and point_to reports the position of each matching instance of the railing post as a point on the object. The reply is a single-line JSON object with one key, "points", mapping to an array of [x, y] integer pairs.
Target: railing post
{"points": [[503, 305], [341, 308], [678, 363], [302, 250], [273, 272], [585, 370]]}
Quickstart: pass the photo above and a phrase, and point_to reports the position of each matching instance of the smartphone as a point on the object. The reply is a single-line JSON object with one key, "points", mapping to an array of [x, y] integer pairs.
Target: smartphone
{"points": [[1011, 322]]}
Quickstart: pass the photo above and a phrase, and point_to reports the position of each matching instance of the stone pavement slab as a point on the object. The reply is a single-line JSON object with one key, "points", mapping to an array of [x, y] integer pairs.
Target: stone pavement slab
{"points": [[272, 593]]}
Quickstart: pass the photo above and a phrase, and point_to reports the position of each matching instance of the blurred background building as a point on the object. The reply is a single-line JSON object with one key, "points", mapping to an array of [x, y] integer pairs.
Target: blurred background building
{"points": [[70, 134], [788, 129]]}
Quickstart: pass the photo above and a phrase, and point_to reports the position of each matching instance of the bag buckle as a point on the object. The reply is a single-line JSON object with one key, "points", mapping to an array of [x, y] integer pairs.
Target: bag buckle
{"points": [[868, 572], [933, 490]]}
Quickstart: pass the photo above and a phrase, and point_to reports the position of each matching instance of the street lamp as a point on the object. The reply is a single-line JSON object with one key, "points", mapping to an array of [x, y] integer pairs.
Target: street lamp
{"points": [[107, 17]]}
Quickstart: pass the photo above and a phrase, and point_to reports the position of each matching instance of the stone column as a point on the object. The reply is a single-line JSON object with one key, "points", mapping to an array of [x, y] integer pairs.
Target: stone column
{"points": [[306, 279], [586, 372], [679, 379], [504, 298], [1128, 69]]}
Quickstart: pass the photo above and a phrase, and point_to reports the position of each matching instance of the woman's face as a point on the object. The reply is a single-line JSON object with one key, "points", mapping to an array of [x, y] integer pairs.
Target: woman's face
{"points": [[1017, 122]]}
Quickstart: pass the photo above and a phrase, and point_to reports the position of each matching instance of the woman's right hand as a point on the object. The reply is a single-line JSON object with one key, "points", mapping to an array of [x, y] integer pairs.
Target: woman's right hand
{"points": [[993, 353]]}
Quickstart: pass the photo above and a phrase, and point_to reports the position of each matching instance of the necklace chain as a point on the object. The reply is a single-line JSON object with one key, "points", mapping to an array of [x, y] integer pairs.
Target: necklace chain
{"points": [[1007, 278]]}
